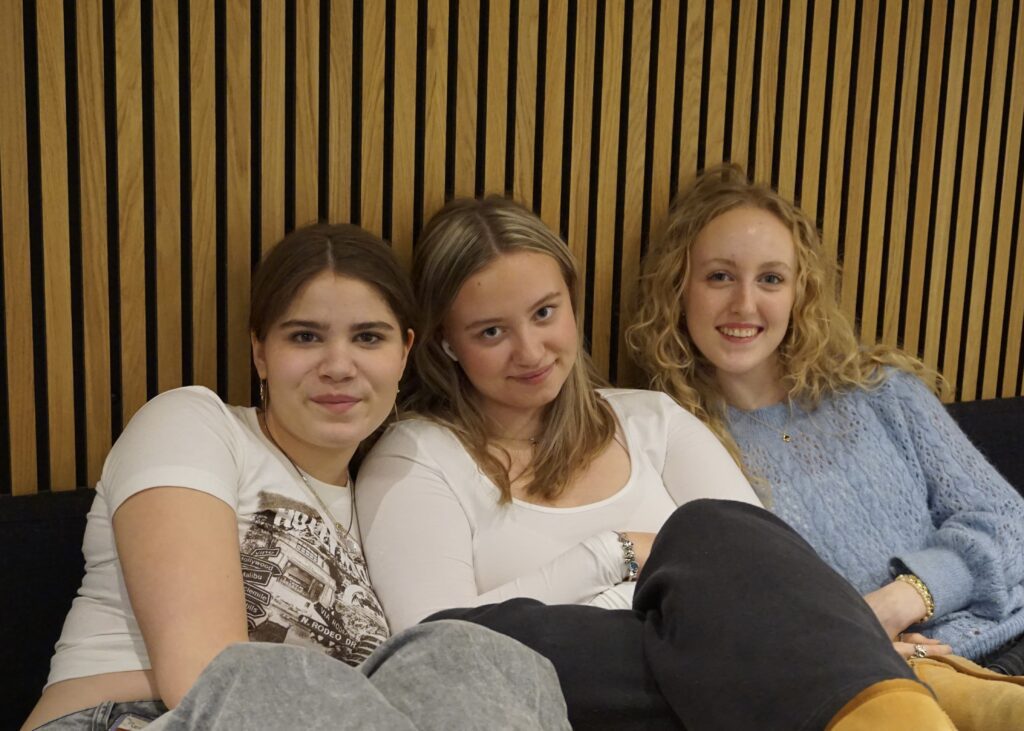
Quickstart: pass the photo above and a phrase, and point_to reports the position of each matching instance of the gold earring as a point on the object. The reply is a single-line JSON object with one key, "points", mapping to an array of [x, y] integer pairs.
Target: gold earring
{"points": [[263, 394]]}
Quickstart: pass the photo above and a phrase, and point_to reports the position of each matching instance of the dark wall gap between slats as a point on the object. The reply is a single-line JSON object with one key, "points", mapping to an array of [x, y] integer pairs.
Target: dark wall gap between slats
{"points": [[511, 99], [976, 207], [75, 241], [705, 83], [567, 124], [848, 145], [652, 109], [755, 90], [594, 170], [541, 96], [914, 179], [620, 194], [483, 34], [780, 94], [149, 199], [805, 87], [323, 165], [869, 167], [826, 124], [256, 156], [1009, 124], [290, 93], [356, 200], [730, 83], [36, 255], [952, 242], [677, 106], [452, 106], [113, 222], [221, 166], [388, 157], [419, 152], [185, 186]]}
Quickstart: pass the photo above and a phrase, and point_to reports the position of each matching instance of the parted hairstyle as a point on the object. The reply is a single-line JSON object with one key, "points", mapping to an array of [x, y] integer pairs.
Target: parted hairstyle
{"points": [[460, 240], [819, 355]]}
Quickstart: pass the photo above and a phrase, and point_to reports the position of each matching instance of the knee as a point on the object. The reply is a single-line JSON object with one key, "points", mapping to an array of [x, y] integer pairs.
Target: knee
{"points": [[716, 515]]}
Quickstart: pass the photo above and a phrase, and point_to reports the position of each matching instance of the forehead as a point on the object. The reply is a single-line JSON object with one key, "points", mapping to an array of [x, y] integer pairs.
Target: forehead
{"points": [[512, 280], [745, 234], [330, 297]]}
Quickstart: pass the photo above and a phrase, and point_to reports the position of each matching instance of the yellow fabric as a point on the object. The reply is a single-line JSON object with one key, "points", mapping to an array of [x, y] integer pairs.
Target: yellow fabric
{"points": [[975, 699], [892, 705]]}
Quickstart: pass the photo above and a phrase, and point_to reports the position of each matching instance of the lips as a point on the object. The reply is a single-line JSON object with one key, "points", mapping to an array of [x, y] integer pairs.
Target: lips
{"points": [[534, 377], [336, 403]]}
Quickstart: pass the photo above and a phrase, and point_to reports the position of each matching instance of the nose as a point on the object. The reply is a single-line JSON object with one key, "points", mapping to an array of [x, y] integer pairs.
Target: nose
{"points": [[337, 363], [742, 299], [529, 347]]}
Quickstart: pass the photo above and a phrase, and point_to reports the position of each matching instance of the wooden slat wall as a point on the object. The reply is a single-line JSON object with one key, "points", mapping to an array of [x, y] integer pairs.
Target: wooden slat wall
{"points": [[150, 150]]}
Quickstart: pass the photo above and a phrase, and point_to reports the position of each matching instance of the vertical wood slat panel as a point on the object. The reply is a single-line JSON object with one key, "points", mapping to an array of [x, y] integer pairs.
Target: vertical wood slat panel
{"points": [[718, 82], [744, 82], [372, 162], [661, 155], [53, 163], [927, 167], [879, 195], [817, 115], [167, 134], [691, 69], [466, 106], [93, 175], [789, 114], [984, 238], [525, 101], [965, 216], [1015, 289], [583, 92], [404, 137], [21, 416], [204, 193], [765, 131], [131, 233], [239, 194], [307, 109], [339, 134], [835, 118], [554, 114], [496, 95], [272, 106], [435, 107], [608, 158]]}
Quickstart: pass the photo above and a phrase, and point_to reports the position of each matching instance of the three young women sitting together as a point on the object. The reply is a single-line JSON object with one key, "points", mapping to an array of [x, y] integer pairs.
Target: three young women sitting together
{"points": [[563, 540]]}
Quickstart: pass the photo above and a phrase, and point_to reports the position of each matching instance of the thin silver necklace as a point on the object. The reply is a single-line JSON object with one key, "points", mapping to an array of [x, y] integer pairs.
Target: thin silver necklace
{"points": [[784, 433], [262, 419]]}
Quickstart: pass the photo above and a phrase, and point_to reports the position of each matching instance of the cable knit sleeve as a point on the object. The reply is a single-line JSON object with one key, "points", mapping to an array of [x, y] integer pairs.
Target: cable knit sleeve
{"points": [[975, 556]]}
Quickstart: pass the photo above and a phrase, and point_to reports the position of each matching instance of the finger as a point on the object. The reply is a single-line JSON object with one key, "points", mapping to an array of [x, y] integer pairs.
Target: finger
{"points": [[908, 650], [915, 638]]}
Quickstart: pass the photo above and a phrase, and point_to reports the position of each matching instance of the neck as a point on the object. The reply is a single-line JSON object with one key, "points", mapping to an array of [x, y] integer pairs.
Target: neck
{"points": [[751, 391], [513, 425], [330, 466]]}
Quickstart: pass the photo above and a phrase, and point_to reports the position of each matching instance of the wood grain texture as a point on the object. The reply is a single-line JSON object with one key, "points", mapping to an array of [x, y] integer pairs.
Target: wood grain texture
{"points": [[435, 143], [307, 109], [404, 137], [467, 102], [496, 95], [272, 111], [339, 125], [525, 138], [372, 144]]}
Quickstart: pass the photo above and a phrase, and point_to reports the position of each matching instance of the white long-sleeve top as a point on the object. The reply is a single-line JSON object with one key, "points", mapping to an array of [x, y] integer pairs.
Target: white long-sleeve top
{"points": [[436, 536]]}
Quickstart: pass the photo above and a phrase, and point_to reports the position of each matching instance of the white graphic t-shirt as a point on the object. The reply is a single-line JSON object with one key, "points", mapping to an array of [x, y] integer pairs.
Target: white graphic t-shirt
{"points": [[304, 575]]}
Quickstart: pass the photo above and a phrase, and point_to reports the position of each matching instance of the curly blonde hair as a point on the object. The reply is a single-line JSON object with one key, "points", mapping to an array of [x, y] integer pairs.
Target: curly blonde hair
{"points": [[820, 353], [460, 240]]}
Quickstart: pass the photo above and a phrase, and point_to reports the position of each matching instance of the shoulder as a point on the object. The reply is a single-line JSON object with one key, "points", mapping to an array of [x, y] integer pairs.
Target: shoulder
{"points": [[640, 401], [188, 402]]}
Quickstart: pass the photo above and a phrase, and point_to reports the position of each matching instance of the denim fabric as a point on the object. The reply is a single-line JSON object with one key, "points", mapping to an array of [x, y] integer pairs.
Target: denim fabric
{"points": [[103, 716], [448, 675], [1008, 660], [737, 625]]}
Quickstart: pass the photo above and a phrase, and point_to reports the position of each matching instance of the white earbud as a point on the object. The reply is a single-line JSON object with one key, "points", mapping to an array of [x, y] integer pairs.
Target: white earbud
{"points": [[447, 348]]}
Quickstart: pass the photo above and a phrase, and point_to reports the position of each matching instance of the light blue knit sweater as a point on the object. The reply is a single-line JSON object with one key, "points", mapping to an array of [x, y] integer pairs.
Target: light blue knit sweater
{"points": [[883, 481]]}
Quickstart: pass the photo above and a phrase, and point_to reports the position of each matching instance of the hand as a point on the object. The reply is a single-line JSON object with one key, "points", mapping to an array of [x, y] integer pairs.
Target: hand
{"points": [[905, 641], [641, 545], [897, 606]]}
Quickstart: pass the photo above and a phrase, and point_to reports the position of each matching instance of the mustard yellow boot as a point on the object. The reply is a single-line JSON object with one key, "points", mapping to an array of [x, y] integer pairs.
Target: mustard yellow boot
{"points": [[892, 705], [975, 699]]}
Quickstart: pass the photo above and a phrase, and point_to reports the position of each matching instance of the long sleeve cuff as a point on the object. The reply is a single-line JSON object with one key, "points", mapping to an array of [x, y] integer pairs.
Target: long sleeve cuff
{"points": [[608, 551], [944, 572]]}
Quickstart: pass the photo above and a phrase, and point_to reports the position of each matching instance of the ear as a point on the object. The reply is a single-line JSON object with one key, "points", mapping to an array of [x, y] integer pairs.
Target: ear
{"points": [[410, 337], [258, 359]]}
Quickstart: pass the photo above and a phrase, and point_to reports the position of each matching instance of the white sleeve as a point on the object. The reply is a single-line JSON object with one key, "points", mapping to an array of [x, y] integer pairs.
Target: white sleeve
{"points": [[418, 542], [697, 465], [181, 438]]}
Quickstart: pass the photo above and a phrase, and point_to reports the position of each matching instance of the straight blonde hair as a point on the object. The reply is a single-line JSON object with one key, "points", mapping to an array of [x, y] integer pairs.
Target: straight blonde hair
{"points": [[460, 240], [820, 354]]}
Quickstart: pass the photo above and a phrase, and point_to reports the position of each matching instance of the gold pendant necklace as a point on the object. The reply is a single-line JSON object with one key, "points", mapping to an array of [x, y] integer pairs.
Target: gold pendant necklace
{"points": [[786, 436]]}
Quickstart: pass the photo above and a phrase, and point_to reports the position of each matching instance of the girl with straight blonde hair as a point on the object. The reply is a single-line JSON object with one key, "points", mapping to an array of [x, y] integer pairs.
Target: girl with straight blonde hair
{"points": [[740, 323], [520, 495]]}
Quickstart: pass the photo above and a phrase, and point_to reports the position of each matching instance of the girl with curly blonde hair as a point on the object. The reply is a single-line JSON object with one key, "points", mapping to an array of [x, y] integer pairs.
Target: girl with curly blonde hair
{"points": [[741, 325]]}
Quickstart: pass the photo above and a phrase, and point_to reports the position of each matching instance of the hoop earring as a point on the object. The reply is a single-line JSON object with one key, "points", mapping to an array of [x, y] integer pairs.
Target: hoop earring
{"points": [[394, 405]]}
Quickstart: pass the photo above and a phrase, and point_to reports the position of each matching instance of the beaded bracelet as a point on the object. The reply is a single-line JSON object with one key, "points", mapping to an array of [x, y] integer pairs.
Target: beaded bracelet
{"points": [[628, 557], [922, 590]]}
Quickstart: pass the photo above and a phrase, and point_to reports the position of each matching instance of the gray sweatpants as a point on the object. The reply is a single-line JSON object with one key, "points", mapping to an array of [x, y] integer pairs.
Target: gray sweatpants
{"points": [[443, 675]]}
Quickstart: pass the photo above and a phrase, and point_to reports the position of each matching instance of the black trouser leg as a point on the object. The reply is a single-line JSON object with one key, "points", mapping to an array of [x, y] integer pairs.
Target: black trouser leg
{"points": [[747, 628]]}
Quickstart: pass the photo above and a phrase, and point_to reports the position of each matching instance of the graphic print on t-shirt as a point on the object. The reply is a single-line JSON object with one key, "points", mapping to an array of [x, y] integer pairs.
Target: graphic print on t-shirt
{"points": [[304, 587]]}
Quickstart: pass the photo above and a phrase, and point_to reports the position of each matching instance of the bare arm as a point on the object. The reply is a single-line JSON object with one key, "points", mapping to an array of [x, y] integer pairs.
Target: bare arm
{"points": [[179, 553]]}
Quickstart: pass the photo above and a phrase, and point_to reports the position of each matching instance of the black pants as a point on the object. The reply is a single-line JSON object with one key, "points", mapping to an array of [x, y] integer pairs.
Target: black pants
{"points": [[736, 624], [1008, 659]]}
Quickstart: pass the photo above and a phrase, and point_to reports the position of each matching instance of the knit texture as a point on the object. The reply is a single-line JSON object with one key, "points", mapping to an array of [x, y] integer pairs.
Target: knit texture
{"points": [[883, 481]]}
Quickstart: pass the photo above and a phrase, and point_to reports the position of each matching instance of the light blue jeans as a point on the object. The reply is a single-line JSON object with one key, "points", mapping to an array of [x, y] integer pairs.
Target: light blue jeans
{"points": [[442, 675]]}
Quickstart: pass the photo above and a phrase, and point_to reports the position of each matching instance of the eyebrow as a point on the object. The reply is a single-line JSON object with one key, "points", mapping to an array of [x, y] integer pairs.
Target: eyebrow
{"points": [[355, 327], [494, 320], [766, 265]]}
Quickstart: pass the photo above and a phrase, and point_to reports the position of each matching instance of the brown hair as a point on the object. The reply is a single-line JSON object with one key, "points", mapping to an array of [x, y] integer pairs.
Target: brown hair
{"points": [[820, 353], [344, 249], [460, 240]]}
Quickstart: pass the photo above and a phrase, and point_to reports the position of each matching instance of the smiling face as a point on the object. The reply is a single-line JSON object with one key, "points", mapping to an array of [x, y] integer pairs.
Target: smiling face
{"points": [[513, 330], [332, 363], [738, 298]]}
